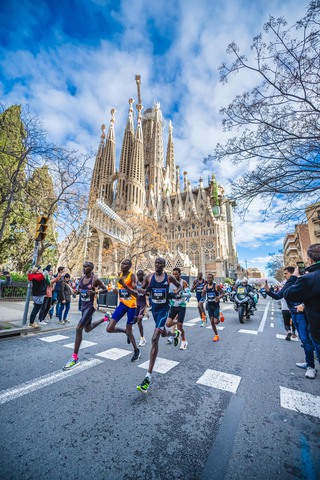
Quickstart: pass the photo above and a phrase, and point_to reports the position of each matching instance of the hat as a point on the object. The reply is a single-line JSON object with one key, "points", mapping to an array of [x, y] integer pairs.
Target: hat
{"points": [[48, 268]]}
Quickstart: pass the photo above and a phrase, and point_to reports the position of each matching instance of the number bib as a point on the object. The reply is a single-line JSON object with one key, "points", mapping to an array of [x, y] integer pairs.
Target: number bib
{"points": [[84, 296], [158, 295], [211, 296], [124, 294], [200, 288], [241, 291]]}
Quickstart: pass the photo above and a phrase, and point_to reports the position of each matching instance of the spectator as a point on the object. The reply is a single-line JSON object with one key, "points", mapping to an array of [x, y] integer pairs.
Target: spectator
{"points": [[65, 299], [306, 290], [56, 292], [299, 320], [38, 293], [50, 281], [4, 282]]}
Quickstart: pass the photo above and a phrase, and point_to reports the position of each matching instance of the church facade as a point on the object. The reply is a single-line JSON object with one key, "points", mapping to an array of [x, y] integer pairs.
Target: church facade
{"points": [[195, 221]]}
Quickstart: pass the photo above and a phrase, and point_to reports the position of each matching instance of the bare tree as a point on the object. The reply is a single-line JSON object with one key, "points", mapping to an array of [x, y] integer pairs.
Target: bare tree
{"points": [[278, 120]]}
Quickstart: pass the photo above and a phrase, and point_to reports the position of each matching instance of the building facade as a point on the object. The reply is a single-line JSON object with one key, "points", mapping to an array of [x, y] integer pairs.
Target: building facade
{"points": [[195, 221], [295, 245]]}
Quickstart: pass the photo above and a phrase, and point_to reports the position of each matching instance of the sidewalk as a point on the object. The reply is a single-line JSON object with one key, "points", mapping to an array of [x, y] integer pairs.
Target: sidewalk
{"points": [[11, 314]]}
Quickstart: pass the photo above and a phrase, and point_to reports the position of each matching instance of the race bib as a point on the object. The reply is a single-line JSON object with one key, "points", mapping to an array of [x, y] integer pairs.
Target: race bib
{"points": [[124, 294], [241, 291], [158, 295], [200, 288], [84, 296], [211, 296]]}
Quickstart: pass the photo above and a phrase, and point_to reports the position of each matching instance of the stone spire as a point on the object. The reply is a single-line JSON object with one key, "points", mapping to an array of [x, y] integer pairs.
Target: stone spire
{"points": [[109, 163], [170, 162], [96, 181], [135, 180], [126, 152]]}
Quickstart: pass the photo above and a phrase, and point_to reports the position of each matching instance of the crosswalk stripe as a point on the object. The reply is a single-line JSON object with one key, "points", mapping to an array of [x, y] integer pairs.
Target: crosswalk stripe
{"points": [[301, 402], [282, 337], [220, 380], [114, 353], [31, 386], [252, 332], [53, 338], [162, 365], [84, 344]]}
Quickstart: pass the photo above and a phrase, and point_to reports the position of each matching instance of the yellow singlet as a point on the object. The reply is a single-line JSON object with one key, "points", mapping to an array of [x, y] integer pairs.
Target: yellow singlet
{"points": [[124, 296]]}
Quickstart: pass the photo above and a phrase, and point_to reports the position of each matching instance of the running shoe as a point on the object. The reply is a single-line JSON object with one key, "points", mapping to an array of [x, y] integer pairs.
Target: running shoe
{"points": [[204, 318], [221, 317], [71, 364], [288, 337], [170, 340], [311, 373], [176, 338], [294, 335], [216, 338], [142, 342], [143, 387], [302, 365], [43, 322], [183, 345], [136, 355], [61, 322], [106, 317]]}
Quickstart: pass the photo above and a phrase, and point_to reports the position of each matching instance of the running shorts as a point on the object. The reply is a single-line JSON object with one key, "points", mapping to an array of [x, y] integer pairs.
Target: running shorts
{"points": [[180, 311], [213, 309], [87, 310], [160, 316], [123, 309]]}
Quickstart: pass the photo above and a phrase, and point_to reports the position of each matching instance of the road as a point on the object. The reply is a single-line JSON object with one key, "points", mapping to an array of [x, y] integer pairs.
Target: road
{"points": [[235, 409]]}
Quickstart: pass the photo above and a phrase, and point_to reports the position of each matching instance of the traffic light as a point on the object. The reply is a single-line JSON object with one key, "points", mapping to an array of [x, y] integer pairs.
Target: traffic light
{"points": [[41, 229]]}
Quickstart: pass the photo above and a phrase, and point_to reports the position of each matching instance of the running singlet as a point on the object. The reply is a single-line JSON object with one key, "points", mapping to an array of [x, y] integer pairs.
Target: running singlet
{"points": [[141, 299], [159, 292], [124, 296], [211, 294], [177, 302], [200, 286], [83, 289]]}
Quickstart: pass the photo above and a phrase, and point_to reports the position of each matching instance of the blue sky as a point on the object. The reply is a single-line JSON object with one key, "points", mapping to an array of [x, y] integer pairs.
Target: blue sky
{"points": [[72, 61]]}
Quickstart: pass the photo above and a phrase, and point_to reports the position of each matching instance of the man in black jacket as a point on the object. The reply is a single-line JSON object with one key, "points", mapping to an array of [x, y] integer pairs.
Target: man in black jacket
{"points": [[299, 320], [307, 290]]}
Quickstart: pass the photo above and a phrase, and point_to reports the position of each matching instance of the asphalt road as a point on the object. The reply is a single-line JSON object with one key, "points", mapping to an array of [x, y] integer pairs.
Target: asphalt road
{"points": [[235, 409]]}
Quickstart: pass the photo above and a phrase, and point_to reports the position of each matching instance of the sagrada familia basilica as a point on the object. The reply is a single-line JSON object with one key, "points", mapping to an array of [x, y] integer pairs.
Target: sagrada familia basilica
{"points": [[195, 221]]}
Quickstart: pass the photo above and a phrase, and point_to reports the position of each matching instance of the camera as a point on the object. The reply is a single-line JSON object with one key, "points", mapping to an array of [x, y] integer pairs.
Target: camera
{"points": [[301, 268]]}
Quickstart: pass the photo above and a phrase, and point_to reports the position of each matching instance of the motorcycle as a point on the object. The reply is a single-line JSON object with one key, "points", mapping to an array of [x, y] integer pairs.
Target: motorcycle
{"points": [[263, 293], [242, 304]]}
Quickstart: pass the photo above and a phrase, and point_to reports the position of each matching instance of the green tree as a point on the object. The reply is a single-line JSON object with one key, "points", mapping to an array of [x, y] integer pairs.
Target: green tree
{"points": [[275, 265], [278, 120]]}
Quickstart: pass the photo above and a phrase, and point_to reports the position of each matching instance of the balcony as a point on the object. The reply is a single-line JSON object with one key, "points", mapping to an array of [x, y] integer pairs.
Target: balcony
{"points": [[317, 233]]}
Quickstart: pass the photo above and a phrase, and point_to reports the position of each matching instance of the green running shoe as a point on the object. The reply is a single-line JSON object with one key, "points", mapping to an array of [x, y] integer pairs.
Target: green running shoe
{"points": [[143, 388], [72, 363], [176, 338]]}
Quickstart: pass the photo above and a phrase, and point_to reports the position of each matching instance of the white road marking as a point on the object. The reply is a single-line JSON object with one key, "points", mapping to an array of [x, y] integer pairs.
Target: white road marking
{"points": [[252, 332], [161, 366], [31, 386], [272, 318], [114, 353], [84, 344], [220, 380], [194, 320], [53, 338], [264, 318], [218, 327], [301, 402], [187, 324], [283, 337], [272, 325]]}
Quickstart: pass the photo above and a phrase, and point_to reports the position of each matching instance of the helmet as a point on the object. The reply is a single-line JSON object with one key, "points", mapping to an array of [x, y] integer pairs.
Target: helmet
{"points": [[244, 280]]}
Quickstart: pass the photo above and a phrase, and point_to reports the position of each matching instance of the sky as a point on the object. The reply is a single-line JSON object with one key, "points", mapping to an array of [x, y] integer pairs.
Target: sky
{"points": [[72, 61]]}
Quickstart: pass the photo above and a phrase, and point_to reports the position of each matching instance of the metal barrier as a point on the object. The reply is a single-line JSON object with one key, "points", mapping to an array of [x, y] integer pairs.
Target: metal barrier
{"points": [[13, 290], [109, 299]]}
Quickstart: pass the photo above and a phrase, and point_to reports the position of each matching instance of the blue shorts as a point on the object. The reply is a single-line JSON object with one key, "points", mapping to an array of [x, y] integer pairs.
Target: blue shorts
{"points": [[160, 316], [199, 297], [121, 310]]}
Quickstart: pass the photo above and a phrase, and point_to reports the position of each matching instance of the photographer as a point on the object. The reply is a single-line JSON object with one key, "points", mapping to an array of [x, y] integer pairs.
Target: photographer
{"points": [[307, 290]]}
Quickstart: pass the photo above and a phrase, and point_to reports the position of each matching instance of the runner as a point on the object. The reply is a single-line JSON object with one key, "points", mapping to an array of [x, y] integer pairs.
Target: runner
{"points": [[127, 289], [87, 286], [158, 284], [141, 307], [198, 286], [213, 293], [178, 307]]}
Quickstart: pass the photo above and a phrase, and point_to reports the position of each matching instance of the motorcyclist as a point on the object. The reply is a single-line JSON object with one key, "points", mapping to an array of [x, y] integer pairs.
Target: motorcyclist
{"points": [[248, 291]]}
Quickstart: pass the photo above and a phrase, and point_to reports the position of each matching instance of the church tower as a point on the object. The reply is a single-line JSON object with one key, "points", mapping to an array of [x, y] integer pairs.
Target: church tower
{"points": [[152, 125], [170, 176], [126, 153], [135, 181]]}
